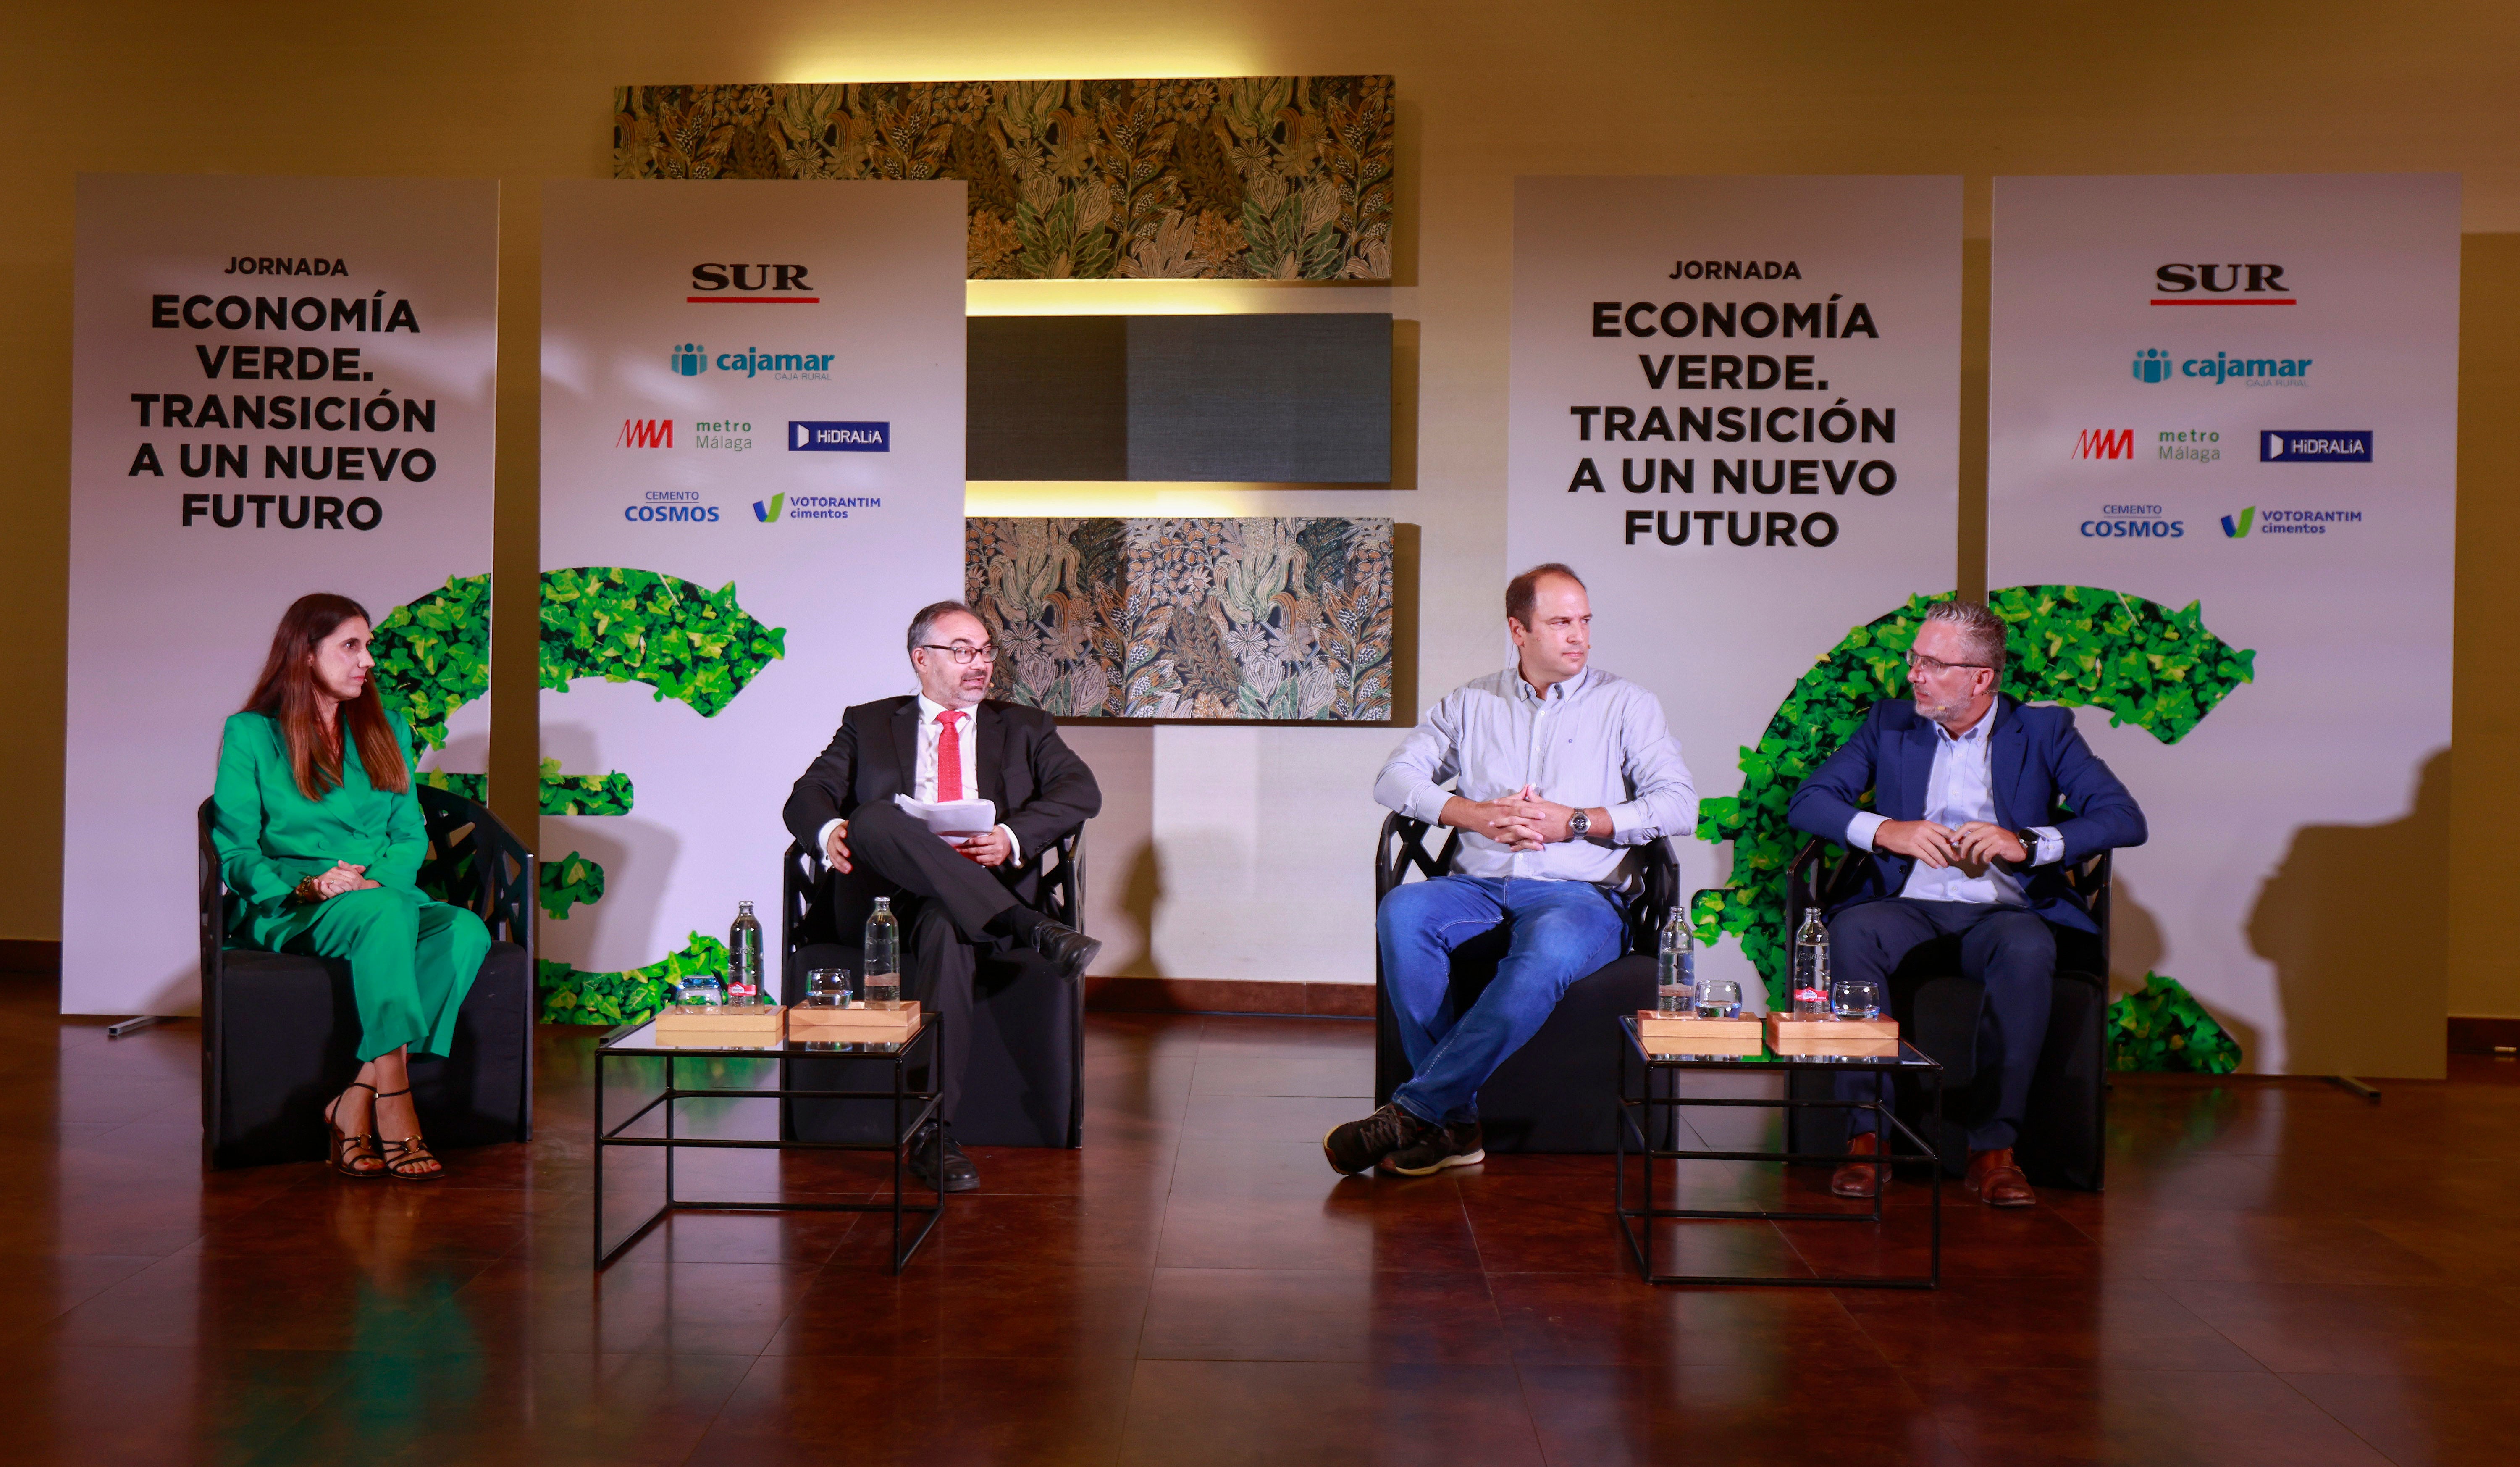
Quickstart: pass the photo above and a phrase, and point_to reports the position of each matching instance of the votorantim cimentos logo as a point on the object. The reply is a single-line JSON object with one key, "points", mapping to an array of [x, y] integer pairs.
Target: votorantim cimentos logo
{"points": [[363, 433], [769, 513], [2237, 526]]}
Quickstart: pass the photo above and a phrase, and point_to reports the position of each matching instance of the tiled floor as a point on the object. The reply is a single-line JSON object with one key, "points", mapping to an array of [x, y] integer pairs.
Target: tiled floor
{"points": [[2279, 1273]]}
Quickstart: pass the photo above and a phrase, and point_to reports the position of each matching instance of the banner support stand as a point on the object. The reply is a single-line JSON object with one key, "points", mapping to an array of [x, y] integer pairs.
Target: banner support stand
{"points": [[135, 1026], [2349, 1083]]}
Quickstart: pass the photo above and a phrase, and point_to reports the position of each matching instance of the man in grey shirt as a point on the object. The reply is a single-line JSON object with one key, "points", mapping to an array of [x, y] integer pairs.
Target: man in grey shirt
{"points": [[1558, 765]]}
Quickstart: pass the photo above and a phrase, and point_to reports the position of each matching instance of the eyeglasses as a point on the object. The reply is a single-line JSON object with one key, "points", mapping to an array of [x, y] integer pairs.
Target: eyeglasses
{"points": [[961, 651], [1917, 662]]}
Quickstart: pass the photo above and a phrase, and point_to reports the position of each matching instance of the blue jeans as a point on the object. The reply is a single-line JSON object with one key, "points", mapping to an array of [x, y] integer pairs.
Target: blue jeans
{"points": [[1560, 931]]}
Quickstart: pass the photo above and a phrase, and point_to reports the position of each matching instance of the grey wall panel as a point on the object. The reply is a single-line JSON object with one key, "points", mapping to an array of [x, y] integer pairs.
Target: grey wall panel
{"points": [[1048, 397], [1260, 399]]}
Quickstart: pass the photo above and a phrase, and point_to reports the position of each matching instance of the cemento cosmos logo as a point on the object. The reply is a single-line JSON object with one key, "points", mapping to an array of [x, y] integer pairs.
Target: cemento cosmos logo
{"points": [[2323, 445], [2134, 522]]}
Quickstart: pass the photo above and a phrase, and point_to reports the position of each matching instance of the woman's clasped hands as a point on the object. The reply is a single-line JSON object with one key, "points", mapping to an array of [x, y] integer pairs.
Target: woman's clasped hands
{"points": [[325, 885]]}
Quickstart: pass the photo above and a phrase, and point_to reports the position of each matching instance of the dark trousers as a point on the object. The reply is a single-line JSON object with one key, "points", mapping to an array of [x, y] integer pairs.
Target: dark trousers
{"points": [[2011, 950], [946, 902]]}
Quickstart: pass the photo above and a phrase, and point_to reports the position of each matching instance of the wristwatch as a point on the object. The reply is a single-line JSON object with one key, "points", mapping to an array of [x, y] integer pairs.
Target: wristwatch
{"points": [[2029, 848], [1579, 825]]}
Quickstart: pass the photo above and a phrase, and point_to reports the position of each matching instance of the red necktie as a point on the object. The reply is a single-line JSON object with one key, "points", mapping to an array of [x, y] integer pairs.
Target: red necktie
{"points": [[949, 757]]}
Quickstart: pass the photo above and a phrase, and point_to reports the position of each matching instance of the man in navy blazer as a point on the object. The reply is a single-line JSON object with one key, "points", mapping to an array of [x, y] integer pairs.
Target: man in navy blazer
{"points": [[1964, 784]]}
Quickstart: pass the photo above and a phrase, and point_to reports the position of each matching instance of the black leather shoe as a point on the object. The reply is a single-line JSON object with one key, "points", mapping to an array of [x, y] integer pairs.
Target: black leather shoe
{"points": [[959, 1174], [1070, 949]]}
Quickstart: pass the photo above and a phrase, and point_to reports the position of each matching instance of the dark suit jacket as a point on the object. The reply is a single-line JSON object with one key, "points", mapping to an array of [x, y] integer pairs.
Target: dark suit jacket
{"points": [[2040, 767], [1042, 789]]}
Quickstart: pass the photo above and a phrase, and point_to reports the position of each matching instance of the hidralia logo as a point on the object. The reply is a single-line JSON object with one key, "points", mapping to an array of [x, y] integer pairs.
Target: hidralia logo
{"points": [[645, 433], [840, 437], [689, 359], [2104, 442], [2326, 445], [2239, 529], [766, 513]]}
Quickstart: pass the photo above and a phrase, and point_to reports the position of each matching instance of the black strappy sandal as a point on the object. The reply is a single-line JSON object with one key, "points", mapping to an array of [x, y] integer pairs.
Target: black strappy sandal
{"points": [[409, 1151], [348, 1149]]}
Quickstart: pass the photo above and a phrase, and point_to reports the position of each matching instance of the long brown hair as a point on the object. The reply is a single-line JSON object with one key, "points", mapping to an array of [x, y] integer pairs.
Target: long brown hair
{"points": [[286, 694]]}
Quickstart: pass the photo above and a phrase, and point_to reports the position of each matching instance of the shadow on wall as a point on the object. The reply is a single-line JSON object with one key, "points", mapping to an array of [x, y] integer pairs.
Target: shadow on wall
{"points": [[1142, 890], [2137, 948], [2356, 923]]}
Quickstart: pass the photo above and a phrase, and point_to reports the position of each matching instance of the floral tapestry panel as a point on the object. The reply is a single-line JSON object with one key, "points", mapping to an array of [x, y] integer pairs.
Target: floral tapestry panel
{"points": [[1231, 178], [1276, 618]]}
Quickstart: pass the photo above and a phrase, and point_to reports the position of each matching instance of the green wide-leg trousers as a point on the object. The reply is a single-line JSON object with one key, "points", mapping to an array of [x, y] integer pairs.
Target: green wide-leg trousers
{"points": [[412, 961]]}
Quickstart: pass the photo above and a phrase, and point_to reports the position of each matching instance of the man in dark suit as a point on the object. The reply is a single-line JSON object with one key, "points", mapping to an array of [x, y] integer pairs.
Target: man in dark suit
{"points": [[1957, 778], [948, 742]]}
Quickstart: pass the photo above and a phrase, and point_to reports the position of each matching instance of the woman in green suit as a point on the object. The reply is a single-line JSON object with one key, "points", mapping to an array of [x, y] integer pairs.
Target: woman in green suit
{"points": [[319, 828]]}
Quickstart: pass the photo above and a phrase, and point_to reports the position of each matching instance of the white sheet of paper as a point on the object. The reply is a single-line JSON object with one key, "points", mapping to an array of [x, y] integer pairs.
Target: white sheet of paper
{"points": [[952, 819]]}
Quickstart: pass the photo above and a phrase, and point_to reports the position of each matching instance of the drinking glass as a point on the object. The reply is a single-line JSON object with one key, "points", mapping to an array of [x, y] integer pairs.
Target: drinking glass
{"points": [[1855, 998], [1718, 998], [827, 988]]}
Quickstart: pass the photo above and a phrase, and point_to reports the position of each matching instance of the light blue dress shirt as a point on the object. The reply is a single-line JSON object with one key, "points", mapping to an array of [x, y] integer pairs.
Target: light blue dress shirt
{"points": [[1962, 789], [1589, 742]]}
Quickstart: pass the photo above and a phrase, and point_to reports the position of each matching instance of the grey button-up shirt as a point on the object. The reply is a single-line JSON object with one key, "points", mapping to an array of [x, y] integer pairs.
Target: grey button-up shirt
{"points": [[1595, 739]]}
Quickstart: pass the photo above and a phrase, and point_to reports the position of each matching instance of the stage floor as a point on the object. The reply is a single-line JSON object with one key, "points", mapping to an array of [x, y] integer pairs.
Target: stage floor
{"points": [[2280, 1272]]}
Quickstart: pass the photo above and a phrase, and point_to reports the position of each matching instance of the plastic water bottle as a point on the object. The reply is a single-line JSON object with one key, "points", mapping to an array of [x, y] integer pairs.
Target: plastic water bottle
{"points": [[744, 956], [1811, 967], [882, 957], [1675, 965]]}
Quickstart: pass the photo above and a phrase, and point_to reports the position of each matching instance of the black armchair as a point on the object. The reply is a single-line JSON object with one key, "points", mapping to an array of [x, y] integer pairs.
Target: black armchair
{"points": [[1559, 1091], [1026, 1081], [2064, 1131], [280, 1030]]}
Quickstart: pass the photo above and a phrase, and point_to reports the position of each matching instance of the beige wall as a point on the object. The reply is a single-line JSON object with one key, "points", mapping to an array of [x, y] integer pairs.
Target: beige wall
{"points": [[519, 91]]}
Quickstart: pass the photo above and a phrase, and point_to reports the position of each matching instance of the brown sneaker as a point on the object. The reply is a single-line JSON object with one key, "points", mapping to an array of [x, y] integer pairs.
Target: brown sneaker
{"points": [[1860, 1179], [1359, 1144], [1439, 1146], [1992, 1179]]}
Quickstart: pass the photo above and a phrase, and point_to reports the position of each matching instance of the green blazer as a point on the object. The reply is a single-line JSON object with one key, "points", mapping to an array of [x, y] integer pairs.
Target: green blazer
{"points": [[270, 837]]}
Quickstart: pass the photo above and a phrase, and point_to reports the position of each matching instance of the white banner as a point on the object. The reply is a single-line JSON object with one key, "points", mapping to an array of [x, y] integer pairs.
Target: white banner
{"points": [[1735, 412], [2241, 392], [281, 385], [752, 476]]}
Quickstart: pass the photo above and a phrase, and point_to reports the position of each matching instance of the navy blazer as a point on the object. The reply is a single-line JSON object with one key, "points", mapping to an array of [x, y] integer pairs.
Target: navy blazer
{"points": [[2039, 766]]}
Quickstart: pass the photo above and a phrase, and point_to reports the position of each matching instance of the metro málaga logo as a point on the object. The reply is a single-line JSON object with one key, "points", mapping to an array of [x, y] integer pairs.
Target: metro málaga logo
{"points": [[2104, 442], [645, 433]]}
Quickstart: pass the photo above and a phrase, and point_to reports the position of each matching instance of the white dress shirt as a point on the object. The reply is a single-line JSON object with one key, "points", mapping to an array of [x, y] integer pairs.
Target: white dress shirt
{"points": [[923, 782], [1962, 789], [1592, 739]]}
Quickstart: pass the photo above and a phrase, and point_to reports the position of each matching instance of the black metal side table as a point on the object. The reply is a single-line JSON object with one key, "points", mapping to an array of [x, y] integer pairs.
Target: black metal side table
{"points": [[910, 1109], [1661, 1092]]}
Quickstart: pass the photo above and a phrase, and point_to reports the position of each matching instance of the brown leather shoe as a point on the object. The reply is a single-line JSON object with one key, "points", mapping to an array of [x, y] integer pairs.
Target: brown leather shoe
{"points": [[1992, 1179], [1860, 1179]]}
